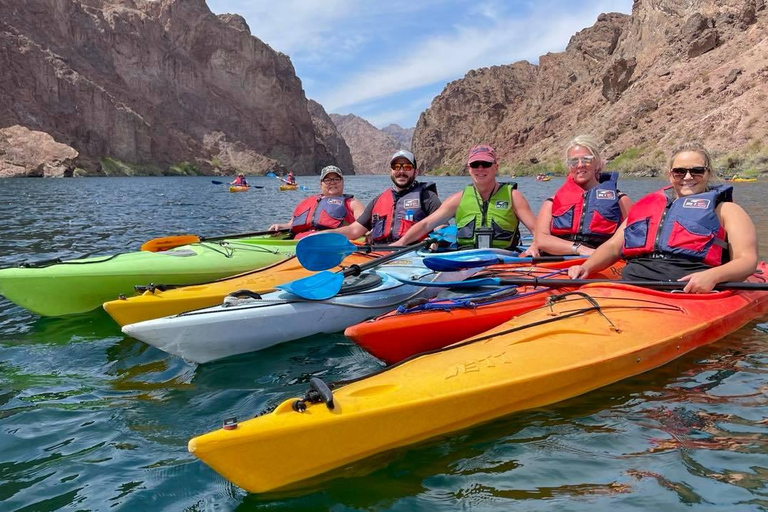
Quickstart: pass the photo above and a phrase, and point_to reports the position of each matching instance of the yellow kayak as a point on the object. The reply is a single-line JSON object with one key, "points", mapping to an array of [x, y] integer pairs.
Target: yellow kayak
{"points": [[155, 303], [285, 186], [743, 180], [550, 354], [238, 188]]}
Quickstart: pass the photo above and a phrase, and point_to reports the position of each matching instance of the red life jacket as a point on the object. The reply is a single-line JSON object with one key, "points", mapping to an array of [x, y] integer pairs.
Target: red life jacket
{"points": [[687, 227], [391, 219], [589, 216], [316, 213]]}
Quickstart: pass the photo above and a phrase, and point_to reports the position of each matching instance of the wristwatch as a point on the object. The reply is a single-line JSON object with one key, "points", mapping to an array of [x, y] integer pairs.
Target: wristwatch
{"points": [[575, 247]]}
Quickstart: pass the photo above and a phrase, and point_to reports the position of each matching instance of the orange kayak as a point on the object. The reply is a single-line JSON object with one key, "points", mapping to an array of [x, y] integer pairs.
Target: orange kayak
{"points": [[599, 335], [445, 320]]}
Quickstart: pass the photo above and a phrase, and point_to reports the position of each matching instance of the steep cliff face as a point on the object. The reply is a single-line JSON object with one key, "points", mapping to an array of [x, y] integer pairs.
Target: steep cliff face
{"points": [[155, 82], [330, 147], [370, 147], [673, 70]]}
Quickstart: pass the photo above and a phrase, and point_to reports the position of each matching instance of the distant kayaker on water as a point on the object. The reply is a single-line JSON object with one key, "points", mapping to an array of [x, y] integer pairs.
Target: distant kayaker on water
{"points": [[290, 179], [487, 212], [329, 209], [397, 209], [240, 181], [689, 231], [586, 210]]}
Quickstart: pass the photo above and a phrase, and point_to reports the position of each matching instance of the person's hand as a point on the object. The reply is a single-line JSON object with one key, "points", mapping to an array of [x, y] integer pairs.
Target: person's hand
{"points": [[274, 227], [699, 282], [578, 272], [531, 252]]}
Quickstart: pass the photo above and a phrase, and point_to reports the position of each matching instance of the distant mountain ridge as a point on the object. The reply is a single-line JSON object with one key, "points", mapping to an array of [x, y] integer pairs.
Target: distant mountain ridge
{"points": [[371, 148]]}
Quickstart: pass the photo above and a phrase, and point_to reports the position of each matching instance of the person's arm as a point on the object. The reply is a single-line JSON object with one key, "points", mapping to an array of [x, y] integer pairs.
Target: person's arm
{"points": [[426, 225], [549, 243], [357, 207], [278, 227], [625, 203], [352, 231], [603, 257], [523, 211], [742, 243]]}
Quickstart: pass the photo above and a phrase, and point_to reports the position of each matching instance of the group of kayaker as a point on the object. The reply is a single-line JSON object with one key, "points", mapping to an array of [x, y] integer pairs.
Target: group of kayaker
{"points": [[688, 231]]}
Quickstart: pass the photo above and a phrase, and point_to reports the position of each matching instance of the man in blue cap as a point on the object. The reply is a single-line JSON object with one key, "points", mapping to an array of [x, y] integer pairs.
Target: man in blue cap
{"points": [[394, 211]]}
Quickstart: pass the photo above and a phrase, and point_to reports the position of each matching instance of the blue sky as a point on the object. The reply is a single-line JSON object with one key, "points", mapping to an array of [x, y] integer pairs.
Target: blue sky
{"points": [[386, 60]]}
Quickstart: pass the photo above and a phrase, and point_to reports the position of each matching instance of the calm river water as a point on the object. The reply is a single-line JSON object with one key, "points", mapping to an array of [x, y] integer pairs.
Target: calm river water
{"points": [[93, 420]]}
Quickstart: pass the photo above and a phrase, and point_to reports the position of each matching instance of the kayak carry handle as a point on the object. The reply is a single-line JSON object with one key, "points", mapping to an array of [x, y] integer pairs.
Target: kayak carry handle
{"points": [[239, 294], [318, 392], [39, 263]]}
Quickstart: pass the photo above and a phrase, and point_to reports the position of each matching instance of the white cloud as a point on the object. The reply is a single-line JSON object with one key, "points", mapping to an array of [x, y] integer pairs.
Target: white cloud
{"points": [[448, 56]]}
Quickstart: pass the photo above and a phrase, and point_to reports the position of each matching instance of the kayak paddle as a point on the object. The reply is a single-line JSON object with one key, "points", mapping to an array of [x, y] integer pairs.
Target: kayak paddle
{"points": [[447, 262], [324, 285], [273, 175], [169, 242], [570, 283], [322, 251], [216, 182]]}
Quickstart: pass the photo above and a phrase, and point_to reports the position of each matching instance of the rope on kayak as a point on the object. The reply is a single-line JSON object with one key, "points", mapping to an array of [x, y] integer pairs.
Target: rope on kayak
{"points": [[466, 301], [560, 298], [59, 261]]}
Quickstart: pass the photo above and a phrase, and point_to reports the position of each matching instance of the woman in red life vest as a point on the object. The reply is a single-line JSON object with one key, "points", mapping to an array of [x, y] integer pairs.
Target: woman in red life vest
{"points": [[586, 210], [690, 231], [329, 209], [240, 181]]}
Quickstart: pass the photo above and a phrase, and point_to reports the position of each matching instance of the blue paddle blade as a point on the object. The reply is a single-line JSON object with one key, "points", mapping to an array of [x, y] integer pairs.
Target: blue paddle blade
{"points": [[470, 283], [323, 250], [473, 258], [448, 262], [321, 286], [217, 182], [446, 234], [271, 175]]}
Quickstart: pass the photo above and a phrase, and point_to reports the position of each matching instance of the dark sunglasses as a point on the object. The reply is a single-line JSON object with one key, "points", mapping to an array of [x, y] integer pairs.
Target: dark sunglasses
{"points": [[332, 180], [696, 172], [484, 165], [405, 167]]}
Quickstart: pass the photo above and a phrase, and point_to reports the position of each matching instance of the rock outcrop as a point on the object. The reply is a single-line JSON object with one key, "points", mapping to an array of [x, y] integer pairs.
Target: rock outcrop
{"points": [[26, 153], [154, 82], [370, 147], [330, 146], [671, 71]]}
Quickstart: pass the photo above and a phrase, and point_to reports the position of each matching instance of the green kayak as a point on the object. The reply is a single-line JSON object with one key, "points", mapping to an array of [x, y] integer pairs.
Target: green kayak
{"points": [[76, 286]]}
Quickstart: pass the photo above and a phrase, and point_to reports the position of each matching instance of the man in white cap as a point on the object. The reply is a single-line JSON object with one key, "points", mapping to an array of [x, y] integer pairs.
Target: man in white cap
{"points": [[487, 212], [394, 211], [329, 209]]}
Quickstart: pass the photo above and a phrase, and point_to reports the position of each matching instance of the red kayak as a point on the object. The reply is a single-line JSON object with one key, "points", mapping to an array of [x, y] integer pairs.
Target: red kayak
{"points": [[453, 316]]}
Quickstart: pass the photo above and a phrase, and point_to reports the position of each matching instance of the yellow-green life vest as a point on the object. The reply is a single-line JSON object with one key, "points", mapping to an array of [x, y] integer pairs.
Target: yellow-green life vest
{"points": [[498, 213]]}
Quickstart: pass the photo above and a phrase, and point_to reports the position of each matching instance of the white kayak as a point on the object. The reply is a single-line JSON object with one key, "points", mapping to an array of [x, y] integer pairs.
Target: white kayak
{"points": [[242, 325]]}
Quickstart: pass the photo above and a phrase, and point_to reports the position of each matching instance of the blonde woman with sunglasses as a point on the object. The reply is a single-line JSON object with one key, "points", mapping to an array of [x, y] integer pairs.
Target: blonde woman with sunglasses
{"points": [[587, 210], [689, 231]]}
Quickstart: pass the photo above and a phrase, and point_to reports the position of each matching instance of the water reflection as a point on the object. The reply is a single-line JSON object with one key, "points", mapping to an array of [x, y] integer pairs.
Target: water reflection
{"points": [[91, 419]]}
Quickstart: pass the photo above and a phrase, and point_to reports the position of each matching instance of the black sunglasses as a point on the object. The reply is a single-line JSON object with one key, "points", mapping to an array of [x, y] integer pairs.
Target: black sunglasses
{"points": [[697, 172], [484, 165]]}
